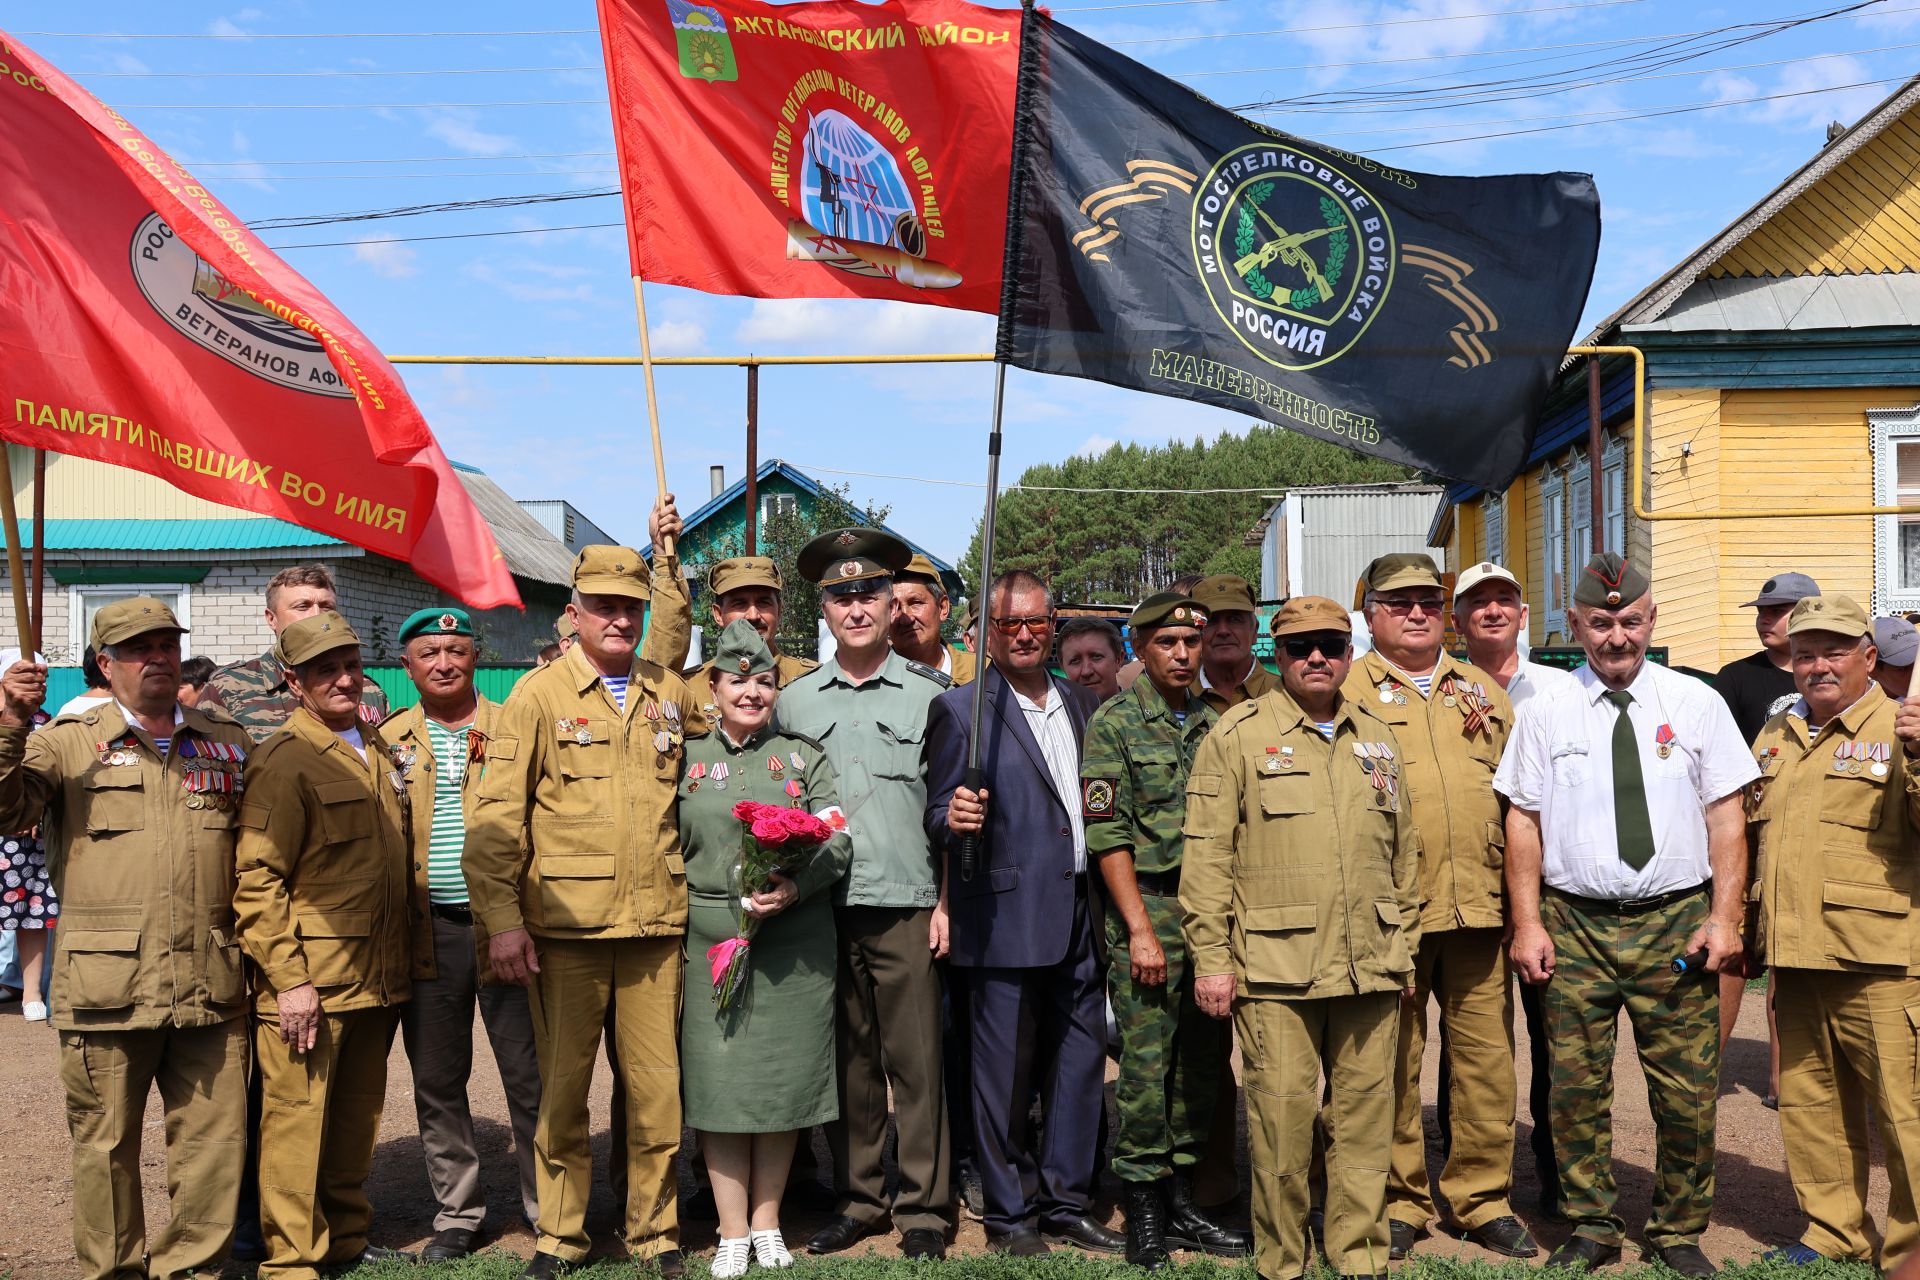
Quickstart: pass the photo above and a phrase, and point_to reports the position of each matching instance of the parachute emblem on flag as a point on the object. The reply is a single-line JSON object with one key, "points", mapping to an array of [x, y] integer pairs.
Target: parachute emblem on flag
{"points": [[706, 51], [858, 210]]}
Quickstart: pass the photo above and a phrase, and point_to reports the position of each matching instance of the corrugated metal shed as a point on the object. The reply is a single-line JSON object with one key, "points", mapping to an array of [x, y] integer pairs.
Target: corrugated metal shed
{"points": [[255, 533], [1345, 530], [1732, 304]]}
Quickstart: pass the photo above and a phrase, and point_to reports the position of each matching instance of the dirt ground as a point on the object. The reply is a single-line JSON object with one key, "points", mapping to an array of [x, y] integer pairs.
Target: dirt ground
{"points": [[1755, 1208]]}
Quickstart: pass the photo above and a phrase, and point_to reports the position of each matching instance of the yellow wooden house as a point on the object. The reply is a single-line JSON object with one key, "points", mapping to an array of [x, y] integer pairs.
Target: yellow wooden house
{"points": [[1783, 374]]}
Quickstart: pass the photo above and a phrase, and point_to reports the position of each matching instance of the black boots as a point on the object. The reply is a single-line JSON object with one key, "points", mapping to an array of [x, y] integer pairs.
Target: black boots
{"points": [[1146, 1227], [1188, 1228]]}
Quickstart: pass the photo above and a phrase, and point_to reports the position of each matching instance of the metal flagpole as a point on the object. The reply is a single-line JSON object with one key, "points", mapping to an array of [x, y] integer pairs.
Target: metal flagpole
{"points": [[976, 778]]}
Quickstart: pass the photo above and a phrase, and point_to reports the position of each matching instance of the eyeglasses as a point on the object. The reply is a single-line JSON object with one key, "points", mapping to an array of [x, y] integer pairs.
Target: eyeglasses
{"points": [[1334, 647], [1401, 608], [1037, 623]]}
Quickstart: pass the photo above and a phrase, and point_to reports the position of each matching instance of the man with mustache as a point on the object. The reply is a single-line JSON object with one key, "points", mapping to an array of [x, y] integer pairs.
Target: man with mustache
{"points": [[920, 609], [751, 587], [1626, 850]]}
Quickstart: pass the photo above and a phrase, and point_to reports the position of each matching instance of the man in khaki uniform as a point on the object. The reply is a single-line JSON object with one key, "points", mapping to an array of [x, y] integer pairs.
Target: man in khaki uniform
{"points": [[1229, 673], [574, 866], [322, 908], [1832, 821], [750, 587], [920, 609], [1452, 720], [1300, 897], [138, 794]]}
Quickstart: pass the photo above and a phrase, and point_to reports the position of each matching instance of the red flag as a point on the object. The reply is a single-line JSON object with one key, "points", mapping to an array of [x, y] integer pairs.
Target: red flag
{"points": [[824, 150], [144, 325]]}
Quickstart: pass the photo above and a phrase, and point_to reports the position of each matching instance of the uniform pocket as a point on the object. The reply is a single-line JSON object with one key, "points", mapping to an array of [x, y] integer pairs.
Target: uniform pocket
{"points": [[1286, 794], [101, 966], [335, 942], [116, 801], [346, 812], [1913, 1048], [1571, 769], [225, 983], [1852, 801], [576, 889], [1279, 944], [901, 749], [1867, 923], [1399, 959]]}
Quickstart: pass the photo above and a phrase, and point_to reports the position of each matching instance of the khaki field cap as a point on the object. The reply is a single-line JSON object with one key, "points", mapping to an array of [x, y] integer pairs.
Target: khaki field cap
{"points": [[125, 619], [1837, 614], [563, 627], [1400, 570], [1310, 613], [610, 571], [742, 572], [1223, 593], [920, 569], [1166, 609], [1485, 571], [303, 641]]}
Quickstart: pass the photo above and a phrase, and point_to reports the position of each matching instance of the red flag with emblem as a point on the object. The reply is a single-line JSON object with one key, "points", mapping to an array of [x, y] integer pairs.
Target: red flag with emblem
{"points": [[831, 149], [147, 327]]}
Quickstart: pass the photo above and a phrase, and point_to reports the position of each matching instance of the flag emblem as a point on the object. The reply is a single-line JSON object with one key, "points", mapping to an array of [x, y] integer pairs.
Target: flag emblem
{"points": [[706, 52]]}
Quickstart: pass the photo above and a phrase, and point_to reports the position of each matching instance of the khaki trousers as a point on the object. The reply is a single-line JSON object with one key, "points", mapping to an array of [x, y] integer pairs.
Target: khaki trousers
{"points": [[319, 1118], [202, 1075], [1285, 1047], [579, 981], [888, 1031], [1847, 1043], [1466, 971], [436, 1025]]}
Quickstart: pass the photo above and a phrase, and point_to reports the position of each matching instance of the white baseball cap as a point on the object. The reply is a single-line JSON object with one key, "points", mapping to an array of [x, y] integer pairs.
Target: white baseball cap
{"points": [[1485, 571]]}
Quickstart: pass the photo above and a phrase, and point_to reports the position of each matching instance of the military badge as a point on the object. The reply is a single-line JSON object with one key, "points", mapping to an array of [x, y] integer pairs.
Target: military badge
{"points": [[449, 623], [1096, 797], [850, 569]]}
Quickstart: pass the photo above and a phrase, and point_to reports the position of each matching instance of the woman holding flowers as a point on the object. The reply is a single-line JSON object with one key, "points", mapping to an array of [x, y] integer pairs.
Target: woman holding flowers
{"points": [[764, 841]]}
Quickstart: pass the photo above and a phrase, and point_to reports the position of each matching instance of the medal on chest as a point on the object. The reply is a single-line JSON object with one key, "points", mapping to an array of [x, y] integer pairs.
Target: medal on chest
{"points": [[1391, 692], [1663, 741], [1279, 759], [719, 774], [1878, 754]]}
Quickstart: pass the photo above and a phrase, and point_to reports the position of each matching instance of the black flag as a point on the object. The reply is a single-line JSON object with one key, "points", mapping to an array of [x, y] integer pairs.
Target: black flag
{"points": [[1162, 243]]}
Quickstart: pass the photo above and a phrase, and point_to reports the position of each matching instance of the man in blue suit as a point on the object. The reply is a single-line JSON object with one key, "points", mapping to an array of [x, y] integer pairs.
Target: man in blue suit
{"points": [[1022, 927]]}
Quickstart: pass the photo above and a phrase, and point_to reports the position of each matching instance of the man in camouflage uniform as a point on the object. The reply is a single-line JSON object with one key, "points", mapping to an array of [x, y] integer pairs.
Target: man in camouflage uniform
{"points": [[1133, 799], [255, 692], [1626, 851]]}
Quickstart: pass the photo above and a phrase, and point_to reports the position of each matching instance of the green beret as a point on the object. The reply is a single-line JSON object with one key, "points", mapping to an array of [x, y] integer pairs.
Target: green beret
{"points": [[303, 641], [1166, 609], [853, 559], [436, 622], [741, 651], [1609, 581]]}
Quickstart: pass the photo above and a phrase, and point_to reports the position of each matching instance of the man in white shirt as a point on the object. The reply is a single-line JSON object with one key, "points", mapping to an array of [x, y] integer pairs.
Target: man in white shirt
{"points": [[1626, 787], [1490, 613]]}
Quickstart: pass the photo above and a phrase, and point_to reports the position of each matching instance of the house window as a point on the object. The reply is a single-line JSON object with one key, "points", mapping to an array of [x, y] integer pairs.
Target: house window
{"points": [[86, 601], [1580, 504], [1553, 530], [1896, 482], [778, 504], [1494, 514], [1613, 487]]}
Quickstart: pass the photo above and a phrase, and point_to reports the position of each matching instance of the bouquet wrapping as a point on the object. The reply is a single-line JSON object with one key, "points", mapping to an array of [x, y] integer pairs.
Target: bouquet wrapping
{"points": [[775, 840]]}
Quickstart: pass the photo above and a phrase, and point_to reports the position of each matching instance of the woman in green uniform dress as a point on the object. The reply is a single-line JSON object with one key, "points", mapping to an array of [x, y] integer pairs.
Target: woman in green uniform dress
{"points": [[758, 1072]]}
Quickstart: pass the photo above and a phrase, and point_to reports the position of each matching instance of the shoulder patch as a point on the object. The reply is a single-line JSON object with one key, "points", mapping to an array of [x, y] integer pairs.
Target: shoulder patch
{"points": [[939, 677], [216, 713], [1096, 797]]}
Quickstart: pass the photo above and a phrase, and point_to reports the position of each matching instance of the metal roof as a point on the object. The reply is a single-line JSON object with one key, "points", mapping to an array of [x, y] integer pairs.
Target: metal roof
{"points": [[255, 533], [1742, 304], [529, 548]]}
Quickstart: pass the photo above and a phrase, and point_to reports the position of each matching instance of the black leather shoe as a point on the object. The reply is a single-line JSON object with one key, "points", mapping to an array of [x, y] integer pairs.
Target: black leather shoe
{"points": [[367, 1257], [1086, 1234], [454, 1242], [1189, 1228], [1400, 1239], [1021, 1242], [922, 1242], [842, 1233], [546, 1266], [1685, 1259], [1146, 1227], [1505, 1235], [1583, 1251], [671, 1265]]}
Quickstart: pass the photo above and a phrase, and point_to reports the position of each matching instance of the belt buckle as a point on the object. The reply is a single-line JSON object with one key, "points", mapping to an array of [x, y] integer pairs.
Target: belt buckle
{"points": [[1633, 905]]}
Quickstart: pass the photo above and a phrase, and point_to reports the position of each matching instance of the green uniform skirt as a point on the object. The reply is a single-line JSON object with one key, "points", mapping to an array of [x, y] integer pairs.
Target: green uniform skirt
{"points": [[766, 1064]]}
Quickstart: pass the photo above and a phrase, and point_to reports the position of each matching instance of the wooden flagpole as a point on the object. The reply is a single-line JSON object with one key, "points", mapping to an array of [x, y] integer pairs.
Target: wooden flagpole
{"points": [[25, 623], [653, 403]]}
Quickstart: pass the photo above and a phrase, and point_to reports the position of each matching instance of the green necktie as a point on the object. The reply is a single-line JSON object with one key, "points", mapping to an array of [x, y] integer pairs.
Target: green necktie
{"points": [[1633, 828]]}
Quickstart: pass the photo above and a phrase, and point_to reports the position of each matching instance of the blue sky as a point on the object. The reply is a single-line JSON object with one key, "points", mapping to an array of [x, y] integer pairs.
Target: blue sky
{"points": [[405, 121]]}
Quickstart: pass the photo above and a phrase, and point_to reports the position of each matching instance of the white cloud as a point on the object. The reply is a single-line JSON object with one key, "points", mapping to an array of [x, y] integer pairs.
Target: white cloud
{"points": [[509, 279], [780, 320], [678, 338], [461, 133], [864, 327], [227, 29], [1094, 446], [385, 258], [1804, 95]]}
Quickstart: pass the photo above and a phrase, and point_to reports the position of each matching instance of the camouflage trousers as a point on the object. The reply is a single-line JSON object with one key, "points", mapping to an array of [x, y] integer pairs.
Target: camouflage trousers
{"points": [[1170, 1054], [1606, 961]]}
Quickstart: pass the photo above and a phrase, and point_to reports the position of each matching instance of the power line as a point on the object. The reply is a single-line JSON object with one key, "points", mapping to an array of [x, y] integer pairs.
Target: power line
{"points": [[1385, 22], [355, 106], [441, 206], [1032, 488], [273, 75], [464, 235], [517, 155], [431, 175]]}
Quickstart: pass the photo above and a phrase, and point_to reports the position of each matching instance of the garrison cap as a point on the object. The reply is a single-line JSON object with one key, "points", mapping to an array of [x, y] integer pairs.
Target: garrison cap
{"points": [[436, 622], [563, 628], [125, 619], [1166, 609], [610, 571], [742, 572], [1897, 640], [1303, 614], [1784, 588], [1838, 614], [1400, 570], [1610, 580], [920, 569], [741, 651], [1485, 571], [1223, 593], [848, 560], [303, 641]]}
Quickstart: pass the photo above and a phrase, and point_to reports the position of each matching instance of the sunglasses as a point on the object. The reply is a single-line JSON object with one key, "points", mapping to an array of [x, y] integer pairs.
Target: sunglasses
{"points": [[1037, 623], [1303, 646], [1431, 605]]}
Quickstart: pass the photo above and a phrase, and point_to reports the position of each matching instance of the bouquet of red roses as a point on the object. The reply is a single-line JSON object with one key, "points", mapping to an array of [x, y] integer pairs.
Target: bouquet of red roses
{"points": [[776, 839]]}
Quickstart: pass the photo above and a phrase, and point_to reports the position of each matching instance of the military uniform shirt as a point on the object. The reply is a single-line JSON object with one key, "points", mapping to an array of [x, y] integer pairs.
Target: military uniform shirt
{"points": [[1259, 681], [1559, 764], [447, 838], [875, 732], [256, 694], [1133, 774]]}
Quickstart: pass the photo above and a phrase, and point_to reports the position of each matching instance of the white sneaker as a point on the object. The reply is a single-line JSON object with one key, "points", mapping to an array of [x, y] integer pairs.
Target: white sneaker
{"points": [[730, 1259], [770, 1248], [34, 1011]]}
